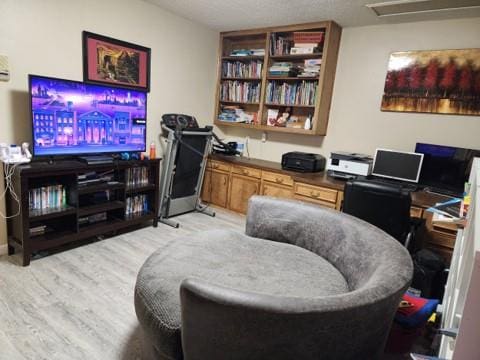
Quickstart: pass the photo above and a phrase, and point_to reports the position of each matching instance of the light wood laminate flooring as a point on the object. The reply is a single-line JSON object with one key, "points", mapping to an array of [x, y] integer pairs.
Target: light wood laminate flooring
{"points": [[78, 304]]}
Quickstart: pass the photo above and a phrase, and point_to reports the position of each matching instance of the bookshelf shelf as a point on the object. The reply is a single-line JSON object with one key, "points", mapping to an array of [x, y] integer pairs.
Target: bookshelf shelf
{"points": [[88, 189], [239, 102], [244, 58], [241, 79], [46, 214], [266, 38], [296, 56], [290, 105], [138, 189], [266, 128], [290, 78], [97, 208]]}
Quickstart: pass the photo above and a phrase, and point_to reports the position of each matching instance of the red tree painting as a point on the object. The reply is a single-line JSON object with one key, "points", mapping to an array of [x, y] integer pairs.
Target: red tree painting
{"points": [[437, 81]]}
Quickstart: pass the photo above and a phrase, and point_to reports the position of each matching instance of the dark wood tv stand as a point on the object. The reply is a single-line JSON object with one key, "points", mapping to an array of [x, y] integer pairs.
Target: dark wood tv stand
{"points": [[67, 223]]}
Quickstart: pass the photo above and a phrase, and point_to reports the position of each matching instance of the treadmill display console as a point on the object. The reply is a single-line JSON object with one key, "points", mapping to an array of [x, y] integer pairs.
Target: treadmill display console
{"points": [[172, 121]]}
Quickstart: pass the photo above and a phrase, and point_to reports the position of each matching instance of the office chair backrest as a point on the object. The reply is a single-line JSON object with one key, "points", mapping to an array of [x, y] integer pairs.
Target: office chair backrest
{"points": [[387, 206]]}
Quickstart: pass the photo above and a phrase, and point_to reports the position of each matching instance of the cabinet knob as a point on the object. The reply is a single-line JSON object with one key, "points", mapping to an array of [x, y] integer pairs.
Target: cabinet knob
{"points": [[279, 180], [314, 194]]}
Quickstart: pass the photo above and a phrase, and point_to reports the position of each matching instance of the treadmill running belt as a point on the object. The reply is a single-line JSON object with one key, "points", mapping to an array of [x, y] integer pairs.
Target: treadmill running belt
{"points": [[188, 166]]}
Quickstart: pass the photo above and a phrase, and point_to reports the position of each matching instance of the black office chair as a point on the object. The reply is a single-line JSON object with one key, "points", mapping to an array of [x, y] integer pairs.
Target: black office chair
{"points": [[387, 206]]}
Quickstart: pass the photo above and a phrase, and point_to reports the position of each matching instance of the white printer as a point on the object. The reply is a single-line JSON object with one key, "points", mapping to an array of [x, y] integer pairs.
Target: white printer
{"points": [[345, 165]]}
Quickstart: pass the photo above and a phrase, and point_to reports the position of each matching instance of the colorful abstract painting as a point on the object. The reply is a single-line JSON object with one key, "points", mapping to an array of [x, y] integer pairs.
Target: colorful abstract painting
{"points": [[437, 81]]}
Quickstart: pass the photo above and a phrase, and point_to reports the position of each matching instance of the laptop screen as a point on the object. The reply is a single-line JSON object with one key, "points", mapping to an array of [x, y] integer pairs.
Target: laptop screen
{"points": [[398, 165]]}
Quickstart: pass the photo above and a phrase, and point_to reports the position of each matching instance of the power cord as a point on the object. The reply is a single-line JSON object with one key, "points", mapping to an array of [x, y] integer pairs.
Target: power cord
{"points": [[9, 171]]}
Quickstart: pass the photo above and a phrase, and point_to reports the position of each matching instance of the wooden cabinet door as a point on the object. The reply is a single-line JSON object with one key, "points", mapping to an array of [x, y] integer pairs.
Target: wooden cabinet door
{"points": [[241, 189], [276, 190], [215, 188], [219, 188]]}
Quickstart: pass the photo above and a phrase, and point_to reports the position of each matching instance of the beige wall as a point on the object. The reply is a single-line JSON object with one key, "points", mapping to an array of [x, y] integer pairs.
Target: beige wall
{"points": [[44, 37], [356, 122]]}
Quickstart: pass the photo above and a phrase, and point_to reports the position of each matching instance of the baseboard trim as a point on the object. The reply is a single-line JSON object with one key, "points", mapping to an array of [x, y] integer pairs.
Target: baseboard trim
{"points": [[3, 249]]}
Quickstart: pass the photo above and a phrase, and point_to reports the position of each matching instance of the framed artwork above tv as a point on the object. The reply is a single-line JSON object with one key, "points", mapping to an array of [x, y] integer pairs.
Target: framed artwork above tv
{"points": [[115, 62]]}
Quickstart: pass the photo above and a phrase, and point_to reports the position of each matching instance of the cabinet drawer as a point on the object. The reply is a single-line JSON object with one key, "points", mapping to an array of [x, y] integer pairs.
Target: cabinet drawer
{"points": [[315, 201], [218, 165], [277, 178], [246, 171], [316, 192], [442, 239], [276, 190], [416, 212]]}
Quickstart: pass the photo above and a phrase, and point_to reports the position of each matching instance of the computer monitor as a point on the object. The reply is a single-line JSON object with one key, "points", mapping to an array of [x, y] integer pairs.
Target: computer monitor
{"points": [[399, 165], [445, 168]]}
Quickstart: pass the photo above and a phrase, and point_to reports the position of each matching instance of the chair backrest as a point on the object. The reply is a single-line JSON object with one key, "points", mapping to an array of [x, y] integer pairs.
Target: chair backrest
{"points": [[387, 206]]}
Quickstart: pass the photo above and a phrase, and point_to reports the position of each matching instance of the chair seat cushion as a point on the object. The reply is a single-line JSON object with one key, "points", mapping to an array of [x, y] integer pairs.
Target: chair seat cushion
{"points": [[230, 259]]}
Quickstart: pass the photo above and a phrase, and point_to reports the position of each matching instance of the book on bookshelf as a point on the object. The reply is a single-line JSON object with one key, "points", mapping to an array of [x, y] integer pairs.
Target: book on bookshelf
{"points": [[47, 197], [239, 69], [239, 91], [137, 177], [308, 37], [136, 205], [300, 93], [279, 44], [283, 69]]}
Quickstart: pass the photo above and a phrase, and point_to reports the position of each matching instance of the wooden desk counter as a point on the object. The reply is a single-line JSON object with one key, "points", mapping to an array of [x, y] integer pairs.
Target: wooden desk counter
{"points": [[230, 181]]}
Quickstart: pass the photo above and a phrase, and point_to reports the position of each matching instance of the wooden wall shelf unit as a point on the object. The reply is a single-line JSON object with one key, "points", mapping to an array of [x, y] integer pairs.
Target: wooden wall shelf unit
{"points": [[230, 181], [261, 39], [71, 221]]}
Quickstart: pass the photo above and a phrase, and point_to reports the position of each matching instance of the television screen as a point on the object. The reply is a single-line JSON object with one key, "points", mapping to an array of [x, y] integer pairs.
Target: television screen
{"points": [[446, 167], [72, 118]]}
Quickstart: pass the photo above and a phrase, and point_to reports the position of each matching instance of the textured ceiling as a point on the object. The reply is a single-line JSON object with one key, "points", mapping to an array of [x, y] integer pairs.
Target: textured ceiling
{"points": [[243, 14]]}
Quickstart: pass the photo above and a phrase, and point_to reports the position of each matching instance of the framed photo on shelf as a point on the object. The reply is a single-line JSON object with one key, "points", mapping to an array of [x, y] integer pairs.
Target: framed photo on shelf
{"points": [[112, 61]]}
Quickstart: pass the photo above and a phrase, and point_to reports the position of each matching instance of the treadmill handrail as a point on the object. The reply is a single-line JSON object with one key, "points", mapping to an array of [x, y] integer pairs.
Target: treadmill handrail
{"points": [[194, 133]]}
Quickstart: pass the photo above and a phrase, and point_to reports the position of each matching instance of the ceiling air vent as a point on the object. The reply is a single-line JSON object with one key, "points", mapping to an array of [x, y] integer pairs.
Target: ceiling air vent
{"points": [[402, 7]]}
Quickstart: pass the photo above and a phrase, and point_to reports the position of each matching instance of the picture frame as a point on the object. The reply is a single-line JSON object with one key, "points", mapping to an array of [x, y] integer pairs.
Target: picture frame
{"points": [[115, 62], [433, 81]]}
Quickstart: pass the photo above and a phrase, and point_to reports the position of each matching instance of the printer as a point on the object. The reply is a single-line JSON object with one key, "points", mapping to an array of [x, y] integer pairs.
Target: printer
{"points": [[303, 162], [345, 165]]}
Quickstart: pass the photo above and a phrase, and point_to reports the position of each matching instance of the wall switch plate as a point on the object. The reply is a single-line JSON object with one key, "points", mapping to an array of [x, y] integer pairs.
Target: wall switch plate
{"points": [[4, 69], [264, 137]]}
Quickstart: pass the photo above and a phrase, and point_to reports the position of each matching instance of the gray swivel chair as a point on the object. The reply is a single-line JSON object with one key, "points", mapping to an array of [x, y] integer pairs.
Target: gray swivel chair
{"points": [[304, 282]]}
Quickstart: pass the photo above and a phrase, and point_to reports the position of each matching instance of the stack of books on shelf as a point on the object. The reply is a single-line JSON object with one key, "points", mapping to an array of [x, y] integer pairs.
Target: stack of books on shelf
{"points": [[237, 114], [279, 45], [238, 91], [283, 69], [239, 69], [311, 68], [136, 177], [303, 93], [47, 197], [136, 205], [307, 42], [248, 52]]}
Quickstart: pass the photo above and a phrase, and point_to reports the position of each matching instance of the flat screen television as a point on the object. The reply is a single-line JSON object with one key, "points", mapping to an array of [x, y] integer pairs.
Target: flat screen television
{"points": [[76, 118], [445, 168]]}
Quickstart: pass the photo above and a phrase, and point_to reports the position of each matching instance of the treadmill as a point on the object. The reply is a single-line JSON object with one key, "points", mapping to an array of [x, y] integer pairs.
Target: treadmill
{"points": [[183, 167]]}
